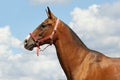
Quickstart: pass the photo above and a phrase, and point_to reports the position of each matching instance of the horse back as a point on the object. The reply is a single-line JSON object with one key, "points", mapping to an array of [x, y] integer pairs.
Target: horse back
{"points": [[97, 66], [111, 68]]}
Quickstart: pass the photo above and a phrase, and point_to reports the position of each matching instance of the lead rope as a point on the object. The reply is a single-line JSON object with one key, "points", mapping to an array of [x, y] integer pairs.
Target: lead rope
{"points": [[49, 37], [38, 48]]}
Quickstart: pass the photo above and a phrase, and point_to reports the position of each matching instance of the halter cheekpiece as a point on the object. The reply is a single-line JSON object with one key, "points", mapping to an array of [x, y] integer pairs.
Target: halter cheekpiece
{"points": [[50, 37]]}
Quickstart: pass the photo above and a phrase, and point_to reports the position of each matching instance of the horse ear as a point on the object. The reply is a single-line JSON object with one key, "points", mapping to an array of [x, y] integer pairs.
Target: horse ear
{"points": [[49, 13]]}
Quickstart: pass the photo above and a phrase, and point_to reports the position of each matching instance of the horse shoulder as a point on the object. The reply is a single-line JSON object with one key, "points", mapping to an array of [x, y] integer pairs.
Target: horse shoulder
{"points": [[111, 68], [90, 67]]}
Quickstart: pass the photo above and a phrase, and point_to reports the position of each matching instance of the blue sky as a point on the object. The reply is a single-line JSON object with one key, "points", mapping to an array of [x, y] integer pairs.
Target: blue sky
{"points": [[23, 16], [96, 22]]}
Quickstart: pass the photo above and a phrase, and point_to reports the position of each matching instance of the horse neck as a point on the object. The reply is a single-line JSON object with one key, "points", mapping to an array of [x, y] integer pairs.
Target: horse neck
{"points": [[70, 49]]}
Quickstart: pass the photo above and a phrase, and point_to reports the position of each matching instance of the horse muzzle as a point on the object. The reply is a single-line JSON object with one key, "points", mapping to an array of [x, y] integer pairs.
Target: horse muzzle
{"points": [[29, 45]]}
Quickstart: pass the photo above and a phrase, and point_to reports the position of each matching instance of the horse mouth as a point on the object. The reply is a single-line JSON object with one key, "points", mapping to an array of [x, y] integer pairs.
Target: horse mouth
{"points": [[30, 47]]}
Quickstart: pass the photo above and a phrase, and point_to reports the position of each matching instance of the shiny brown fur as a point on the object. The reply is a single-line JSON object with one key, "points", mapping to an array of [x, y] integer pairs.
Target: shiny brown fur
{"points": [[77, 61]]}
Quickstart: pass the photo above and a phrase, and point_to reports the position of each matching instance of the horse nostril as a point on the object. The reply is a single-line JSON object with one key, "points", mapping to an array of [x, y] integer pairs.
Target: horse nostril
{"points": [[25, 42]]}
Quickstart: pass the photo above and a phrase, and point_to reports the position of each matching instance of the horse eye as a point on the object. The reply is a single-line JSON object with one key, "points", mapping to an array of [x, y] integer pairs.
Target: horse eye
{"points": [[43, 26]]}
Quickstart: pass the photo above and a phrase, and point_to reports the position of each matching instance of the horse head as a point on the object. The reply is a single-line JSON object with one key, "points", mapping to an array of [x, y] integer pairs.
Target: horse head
{"points": [[45, 33]]}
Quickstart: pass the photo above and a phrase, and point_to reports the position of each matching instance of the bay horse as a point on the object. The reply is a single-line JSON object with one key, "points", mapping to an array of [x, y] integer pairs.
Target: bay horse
{"points": [[77, 60]]}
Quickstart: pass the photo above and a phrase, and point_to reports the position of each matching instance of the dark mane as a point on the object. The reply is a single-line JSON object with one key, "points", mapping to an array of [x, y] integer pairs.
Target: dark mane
{"points": [[75, 36]]}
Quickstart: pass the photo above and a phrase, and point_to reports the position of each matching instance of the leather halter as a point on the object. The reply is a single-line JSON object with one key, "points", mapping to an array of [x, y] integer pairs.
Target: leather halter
{"points": [[50, 37]]}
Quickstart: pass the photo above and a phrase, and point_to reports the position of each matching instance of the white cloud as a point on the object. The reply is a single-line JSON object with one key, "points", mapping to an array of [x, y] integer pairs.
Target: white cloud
{"points": [[7, 41], [7, 38], [16, 63], [53, 2], [97, 29], [111, 10]]}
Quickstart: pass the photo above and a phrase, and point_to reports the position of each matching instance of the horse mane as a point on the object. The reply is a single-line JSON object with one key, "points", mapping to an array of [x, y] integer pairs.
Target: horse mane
{"points": [[75, 36]]}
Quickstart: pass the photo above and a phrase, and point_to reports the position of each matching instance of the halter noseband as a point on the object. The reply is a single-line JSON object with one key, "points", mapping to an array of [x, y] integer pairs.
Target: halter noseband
{"points": [[50, 37]]}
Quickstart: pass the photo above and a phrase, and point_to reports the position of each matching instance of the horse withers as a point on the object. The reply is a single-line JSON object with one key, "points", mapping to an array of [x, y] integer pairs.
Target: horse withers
{"points": [[77, 61]]}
